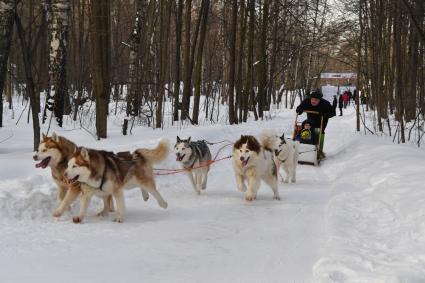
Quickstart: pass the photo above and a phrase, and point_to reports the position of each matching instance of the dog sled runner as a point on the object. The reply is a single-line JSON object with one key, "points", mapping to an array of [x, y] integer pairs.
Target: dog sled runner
{"points": [[310, 153]]}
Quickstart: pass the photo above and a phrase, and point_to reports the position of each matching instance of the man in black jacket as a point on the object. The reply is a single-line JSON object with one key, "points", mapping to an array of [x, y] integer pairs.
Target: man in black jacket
{"points": [[315, 102]]}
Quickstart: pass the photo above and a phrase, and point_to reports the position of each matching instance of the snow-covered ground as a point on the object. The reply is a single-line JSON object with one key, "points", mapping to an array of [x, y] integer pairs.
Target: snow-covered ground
{"points": [[359, 217]]}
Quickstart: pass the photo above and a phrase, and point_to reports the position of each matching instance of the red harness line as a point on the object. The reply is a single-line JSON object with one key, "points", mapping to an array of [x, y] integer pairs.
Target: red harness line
{"points": [[180, 170]]}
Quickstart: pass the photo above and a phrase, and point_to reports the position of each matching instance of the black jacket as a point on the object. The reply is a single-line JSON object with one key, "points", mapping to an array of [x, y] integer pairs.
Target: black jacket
{"points": [[324, 108], [340, 102]]}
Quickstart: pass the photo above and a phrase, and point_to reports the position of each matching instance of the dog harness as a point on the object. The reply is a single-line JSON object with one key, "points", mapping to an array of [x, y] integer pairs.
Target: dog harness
{"points": [[195, 147], [276, 153]]}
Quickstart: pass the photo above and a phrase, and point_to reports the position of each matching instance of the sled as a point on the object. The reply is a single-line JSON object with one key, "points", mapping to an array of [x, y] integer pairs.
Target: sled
{"points": [[309, 153]]}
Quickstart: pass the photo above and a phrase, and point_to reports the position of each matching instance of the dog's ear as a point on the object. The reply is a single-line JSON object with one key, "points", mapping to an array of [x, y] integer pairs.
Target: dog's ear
{"points": [[44, 136], [282, 137], [55, 137], [188, 140], [178, 139], [85, 153]]}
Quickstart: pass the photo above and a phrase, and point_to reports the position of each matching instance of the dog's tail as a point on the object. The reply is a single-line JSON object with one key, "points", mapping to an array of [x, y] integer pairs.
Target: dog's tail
{"points": [[158, 154], [268, 139]]}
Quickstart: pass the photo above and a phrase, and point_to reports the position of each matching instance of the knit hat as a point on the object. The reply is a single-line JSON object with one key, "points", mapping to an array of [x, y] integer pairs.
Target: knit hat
{"points": [[306, 121], [316, 94]]}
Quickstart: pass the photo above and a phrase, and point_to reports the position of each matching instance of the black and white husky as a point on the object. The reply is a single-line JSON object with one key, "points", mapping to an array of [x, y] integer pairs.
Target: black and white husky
{"points": [[195, 157]]}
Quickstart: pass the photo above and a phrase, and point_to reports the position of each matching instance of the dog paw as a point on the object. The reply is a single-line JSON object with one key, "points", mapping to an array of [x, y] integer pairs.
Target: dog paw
{"points": [[77, 219], [249, 198], [102, 213], [163, 204], [118, 220], [285, 180], [276, 197], [242, 189], [57, 213]]}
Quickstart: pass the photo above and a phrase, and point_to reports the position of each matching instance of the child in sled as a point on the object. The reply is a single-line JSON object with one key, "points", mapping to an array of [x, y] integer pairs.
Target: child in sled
{"points": [[307, 134]]}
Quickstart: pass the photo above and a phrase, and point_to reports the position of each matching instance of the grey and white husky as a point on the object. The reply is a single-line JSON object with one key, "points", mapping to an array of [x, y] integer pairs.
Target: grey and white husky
{"points": [[195, 157]]}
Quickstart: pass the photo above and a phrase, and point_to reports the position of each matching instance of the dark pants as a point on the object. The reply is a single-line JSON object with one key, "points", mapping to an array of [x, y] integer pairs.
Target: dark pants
{"points": [[340, 111]]}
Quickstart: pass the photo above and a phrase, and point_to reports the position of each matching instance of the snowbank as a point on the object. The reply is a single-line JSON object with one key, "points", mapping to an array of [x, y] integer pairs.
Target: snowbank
{"points": [[26, 199]]}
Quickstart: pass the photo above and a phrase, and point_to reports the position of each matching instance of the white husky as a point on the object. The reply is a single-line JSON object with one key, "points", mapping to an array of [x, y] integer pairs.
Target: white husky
{"points": [[285, 154]]}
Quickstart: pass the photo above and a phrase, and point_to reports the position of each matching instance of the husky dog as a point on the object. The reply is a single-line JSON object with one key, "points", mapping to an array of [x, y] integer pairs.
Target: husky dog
{"points": [[194, 157], [286, 154], [253, 162], [105, 173], [55, 152]]}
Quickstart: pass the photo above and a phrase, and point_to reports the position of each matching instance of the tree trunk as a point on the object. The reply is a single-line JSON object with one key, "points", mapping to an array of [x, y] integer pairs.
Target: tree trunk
{"points": [[232, 62], [187, 85], [198, 69], [165, 10], [177, 60], [262, 73], [100, 54], [359, 66], [81, 17], [29, 81], [57, 90], [399, 70], [7, 14], [134, 63], [249, 98], [240, 100]]}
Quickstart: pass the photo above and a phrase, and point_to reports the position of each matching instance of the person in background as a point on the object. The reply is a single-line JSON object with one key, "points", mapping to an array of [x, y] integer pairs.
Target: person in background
{"points": [[340, 104], [334, 103], [350, 96], [345, 98], [355, 93]]}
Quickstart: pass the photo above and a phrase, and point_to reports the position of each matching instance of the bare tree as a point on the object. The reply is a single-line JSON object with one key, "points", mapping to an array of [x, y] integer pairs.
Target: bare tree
{"points": [[7, 15], [232, 63], [198, 68], [177, 53], [187, 84], [100, 53], [29, 81]]}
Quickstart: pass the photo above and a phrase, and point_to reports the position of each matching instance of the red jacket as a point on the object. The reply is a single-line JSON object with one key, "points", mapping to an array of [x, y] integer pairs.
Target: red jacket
{"points": [[345, 97]]}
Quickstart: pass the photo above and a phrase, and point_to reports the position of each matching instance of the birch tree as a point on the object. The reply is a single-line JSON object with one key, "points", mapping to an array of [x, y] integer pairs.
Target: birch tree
{"points": [[134, 64], [58, 37]]}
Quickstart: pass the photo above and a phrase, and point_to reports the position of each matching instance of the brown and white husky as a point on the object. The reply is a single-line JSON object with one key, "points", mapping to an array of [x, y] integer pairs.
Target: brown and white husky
{"points": [[105, 173], [252, 163], [55, 152]]}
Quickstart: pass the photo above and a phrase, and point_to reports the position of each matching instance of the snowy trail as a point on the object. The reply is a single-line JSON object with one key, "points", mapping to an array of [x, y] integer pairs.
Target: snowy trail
{"points": [[336, 224]]}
